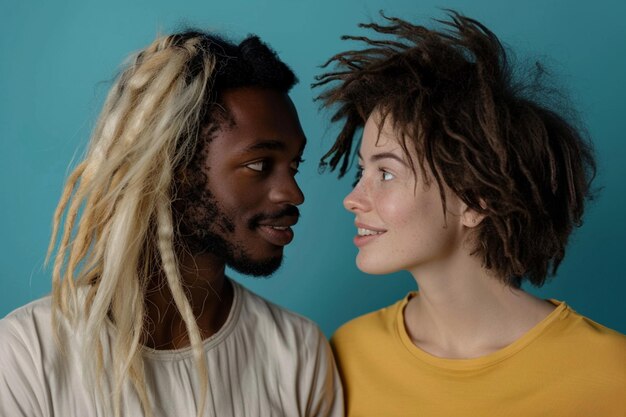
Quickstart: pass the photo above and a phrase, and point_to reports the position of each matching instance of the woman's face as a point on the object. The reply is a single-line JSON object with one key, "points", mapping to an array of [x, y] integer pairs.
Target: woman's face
{"points": [[400, 221]]}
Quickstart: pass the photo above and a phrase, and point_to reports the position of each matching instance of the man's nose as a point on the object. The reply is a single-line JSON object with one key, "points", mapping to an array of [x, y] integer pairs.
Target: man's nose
{"points": [[286, 191]]}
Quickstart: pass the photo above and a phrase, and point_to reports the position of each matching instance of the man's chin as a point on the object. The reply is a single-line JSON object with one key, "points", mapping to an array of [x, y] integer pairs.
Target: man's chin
{"points": [[256, 268]]}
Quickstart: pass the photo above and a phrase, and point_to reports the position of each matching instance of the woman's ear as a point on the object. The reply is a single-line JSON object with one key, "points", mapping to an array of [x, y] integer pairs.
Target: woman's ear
{"points": [[470, 217]]}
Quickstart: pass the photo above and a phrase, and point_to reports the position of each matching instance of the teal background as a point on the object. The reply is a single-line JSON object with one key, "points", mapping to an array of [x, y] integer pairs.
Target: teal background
{"points": [[57, 60]]}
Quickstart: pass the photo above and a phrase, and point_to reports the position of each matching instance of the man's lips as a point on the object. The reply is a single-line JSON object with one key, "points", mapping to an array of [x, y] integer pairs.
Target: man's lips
{"points": [[282, 222], [278, 232]]}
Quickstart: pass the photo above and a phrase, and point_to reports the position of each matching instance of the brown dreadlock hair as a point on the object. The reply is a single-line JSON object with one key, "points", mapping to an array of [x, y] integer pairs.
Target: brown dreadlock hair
{"points": [[451, 96]]}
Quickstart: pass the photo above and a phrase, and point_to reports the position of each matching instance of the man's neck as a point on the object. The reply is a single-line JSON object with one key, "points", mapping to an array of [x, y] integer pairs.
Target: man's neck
{"points": [[206, 288]]}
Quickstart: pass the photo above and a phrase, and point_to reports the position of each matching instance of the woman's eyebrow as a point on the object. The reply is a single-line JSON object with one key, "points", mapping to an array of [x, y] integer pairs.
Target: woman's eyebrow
{"points": [[383, 155]]}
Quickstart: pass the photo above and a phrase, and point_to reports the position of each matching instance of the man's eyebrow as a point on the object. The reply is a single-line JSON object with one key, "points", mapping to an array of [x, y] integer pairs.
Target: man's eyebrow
{"points": [[272, 145], [268, 145], [383, 155]]}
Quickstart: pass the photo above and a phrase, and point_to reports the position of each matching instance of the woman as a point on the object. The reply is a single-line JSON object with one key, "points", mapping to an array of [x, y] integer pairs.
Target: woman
{"points": [[470, 183]]}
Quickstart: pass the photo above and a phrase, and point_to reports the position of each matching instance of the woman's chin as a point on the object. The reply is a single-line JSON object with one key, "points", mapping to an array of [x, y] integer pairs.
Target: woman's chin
{"points": [[369, 265]]}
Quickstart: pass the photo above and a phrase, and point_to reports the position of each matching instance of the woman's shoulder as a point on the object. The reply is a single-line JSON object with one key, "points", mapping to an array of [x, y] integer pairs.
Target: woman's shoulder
{"points": [[377, 324], [593, 337], [598, 352]]}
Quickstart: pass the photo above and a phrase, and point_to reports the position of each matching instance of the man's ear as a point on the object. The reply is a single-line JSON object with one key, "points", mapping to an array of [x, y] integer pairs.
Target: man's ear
{"points": [[472, 218]]}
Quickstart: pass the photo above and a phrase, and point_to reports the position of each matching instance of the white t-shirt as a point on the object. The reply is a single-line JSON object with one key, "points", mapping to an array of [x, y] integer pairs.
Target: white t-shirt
{"points": [[264, 361]]}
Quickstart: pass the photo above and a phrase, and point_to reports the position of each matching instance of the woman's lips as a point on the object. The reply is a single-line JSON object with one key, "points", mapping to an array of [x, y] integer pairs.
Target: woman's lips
{"points": [[364, 240], [366, 234]]}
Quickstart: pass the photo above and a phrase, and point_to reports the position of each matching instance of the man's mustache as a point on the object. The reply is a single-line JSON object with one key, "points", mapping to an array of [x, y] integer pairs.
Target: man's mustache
{"points": [[289, 211]]}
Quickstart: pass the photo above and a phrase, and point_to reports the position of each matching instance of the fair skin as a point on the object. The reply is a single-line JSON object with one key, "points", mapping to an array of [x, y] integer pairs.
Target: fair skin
{"points": [[462, 310]]}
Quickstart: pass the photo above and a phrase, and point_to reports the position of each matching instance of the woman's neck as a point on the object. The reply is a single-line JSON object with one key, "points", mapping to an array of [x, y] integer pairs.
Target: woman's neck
{"points": [[463, 311]]}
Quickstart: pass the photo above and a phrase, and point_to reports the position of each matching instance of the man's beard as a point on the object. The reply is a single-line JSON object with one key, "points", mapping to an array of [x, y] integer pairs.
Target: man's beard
{"points": [[234, 255], [204, 228]]}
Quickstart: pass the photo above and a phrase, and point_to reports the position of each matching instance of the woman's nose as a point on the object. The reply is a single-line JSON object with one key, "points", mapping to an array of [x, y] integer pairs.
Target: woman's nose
{"points": [[356, 200]]}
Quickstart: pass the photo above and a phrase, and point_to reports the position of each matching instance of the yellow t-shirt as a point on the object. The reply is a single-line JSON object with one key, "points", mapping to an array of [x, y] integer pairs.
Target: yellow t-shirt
{"points": [[565, 366]]}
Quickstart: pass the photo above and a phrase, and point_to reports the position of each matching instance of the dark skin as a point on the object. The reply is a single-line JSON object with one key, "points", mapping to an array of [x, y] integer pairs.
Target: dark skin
{"points": [[251, 166]]}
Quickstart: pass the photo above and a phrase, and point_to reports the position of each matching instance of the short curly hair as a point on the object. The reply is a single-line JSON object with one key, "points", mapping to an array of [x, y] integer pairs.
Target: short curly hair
{"points": [[453, 98]]}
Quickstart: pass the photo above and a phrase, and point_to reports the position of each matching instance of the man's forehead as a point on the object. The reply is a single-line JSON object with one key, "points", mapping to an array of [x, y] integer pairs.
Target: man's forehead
{"points": [[260, 119], [246, 103]]}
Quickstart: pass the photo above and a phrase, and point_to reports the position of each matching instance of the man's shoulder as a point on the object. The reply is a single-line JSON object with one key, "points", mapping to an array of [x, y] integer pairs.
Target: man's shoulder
{"points": [[31, 318], [267, 316], [25, 334], [290, 352]]}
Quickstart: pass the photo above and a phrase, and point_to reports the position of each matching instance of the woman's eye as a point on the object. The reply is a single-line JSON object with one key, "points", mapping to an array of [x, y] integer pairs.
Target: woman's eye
{"points": [[258, 166], [386, 176]]}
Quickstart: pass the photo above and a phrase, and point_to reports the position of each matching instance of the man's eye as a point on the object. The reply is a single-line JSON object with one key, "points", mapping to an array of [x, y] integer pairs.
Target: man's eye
{"points": [[258, 166], [296, 164]]}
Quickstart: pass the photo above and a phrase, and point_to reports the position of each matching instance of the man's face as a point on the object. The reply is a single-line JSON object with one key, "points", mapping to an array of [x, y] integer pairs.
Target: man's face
{"points": [[244, 193]]}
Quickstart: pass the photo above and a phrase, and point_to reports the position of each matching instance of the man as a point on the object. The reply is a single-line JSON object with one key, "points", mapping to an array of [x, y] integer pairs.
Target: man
{"points": [[191, 168]]}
